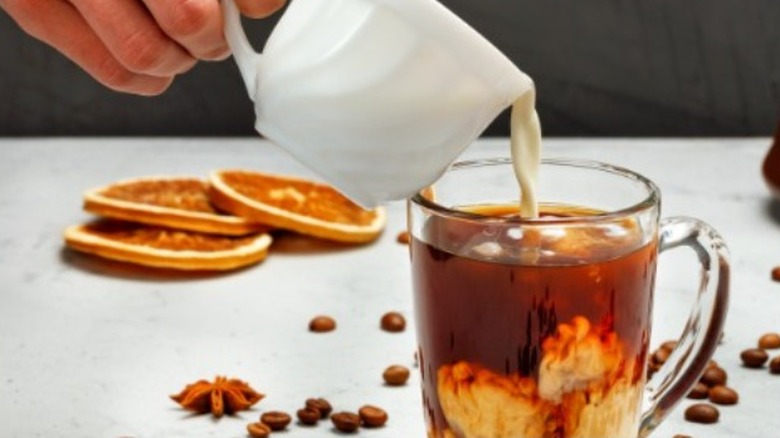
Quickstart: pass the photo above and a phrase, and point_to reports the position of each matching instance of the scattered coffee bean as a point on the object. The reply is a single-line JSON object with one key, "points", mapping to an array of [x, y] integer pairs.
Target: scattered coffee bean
{"points": [[774, 365], [699, 391], [258, 430], [723, 395], [322, 324], [403, 237], [754, 357], [661, 355], [669, 345], [372, 416], [276, 420], [776, 273], [393, 322], [346, 421], [702, 413], [309, 416], [652, 368], [396, 375], [714, 375], [321, 405], [769, 341]]}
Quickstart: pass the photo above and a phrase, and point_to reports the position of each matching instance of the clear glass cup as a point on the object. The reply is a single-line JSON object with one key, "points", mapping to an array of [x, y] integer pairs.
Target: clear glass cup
{"points": [[541, 327]]}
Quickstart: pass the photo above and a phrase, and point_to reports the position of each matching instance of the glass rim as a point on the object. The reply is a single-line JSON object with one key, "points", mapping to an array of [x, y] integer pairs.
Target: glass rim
{"points": [[652, 199]]}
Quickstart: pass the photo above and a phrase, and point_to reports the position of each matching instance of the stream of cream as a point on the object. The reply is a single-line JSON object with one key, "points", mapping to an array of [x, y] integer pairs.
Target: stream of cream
{"points": [[526, 143]]}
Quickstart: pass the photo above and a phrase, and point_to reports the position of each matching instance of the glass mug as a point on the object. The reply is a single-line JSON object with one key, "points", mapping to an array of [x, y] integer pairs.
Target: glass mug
{"points": [[541, 327]]}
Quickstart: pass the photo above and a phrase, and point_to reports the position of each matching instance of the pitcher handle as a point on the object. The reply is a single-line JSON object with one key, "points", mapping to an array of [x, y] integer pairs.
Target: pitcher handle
{"points": [[702, 331], [245, 56]]}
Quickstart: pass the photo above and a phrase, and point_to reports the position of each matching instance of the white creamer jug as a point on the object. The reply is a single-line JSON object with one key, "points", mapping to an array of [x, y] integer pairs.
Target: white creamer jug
{"points": [[377, 96]]}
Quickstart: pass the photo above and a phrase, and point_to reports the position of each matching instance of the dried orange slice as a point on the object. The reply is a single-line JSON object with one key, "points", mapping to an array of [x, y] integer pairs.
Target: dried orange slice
{"points": [[294, 204], [166, 248], [175, 202]]}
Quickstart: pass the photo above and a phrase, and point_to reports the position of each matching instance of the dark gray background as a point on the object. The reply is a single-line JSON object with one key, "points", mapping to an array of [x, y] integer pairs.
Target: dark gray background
{"points": [[602, 68]]}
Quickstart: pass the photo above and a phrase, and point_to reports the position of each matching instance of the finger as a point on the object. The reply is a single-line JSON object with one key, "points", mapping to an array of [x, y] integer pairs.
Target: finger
{"points": [[259, 8], [59, 25], [195, 24], [134, 38]]}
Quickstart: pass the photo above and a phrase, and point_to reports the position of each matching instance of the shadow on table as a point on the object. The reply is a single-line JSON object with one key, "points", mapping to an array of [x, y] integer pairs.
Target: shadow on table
{"points": [[773, 209], [110, 268], [245, 416], [296, 244]]}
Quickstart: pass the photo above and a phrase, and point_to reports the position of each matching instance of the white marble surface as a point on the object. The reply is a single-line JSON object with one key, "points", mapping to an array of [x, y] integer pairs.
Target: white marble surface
{"points": [[92, 349]]}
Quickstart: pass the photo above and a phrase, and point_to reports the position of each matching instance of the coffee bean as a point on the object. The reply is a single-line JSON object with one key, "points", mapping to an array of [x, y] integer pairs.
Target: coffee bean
{"points": [[769, 341], [702, 413], [699, 391], [396, 375], [276, 420], [393, 322], [754, 357], [403, 237], [308, 416], [372, 416], [346, 421], [714, 375], [682, 436], [661, 355], [774, 365], [723, 395], [322, 324], [669, 345], [776, 273], [652, 368], [258, 430], [321, 405]]}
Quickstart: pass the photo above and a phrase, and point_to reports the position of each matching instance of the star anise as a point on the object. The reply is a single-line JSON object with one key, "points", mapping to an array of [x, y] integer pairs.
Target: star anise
{"points": [[222, 396]]}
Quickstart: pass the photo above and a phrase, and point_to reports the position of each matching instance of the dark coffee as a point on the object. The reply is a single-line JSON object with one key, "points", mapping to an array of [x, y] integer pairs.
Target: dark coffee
{"points": [[539, 333]]}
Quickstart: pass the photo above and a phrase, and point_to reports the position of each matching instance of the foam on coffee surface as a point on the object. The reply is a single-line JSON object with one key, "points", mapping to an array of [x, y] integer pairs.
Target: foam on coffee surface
{"points": [[546, 244]]}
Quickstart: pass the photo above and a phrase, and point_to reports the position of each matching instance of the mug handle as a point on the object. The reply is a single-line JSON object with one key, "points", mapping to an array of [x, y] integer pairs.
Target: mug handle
{"points": [[702, 331], [245, 56]]}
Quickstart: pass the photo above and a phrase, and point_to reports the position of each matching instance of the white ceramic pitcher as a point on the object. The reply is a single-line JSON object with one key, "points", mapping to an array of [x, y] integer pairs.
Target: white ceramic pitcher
{"points": [[377, 96]]}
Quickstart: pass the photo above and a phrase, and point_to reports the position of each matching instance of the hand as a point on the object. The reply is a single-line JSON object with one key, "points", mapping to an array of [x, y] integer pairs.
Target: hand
{"points": [[135, 46]]}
